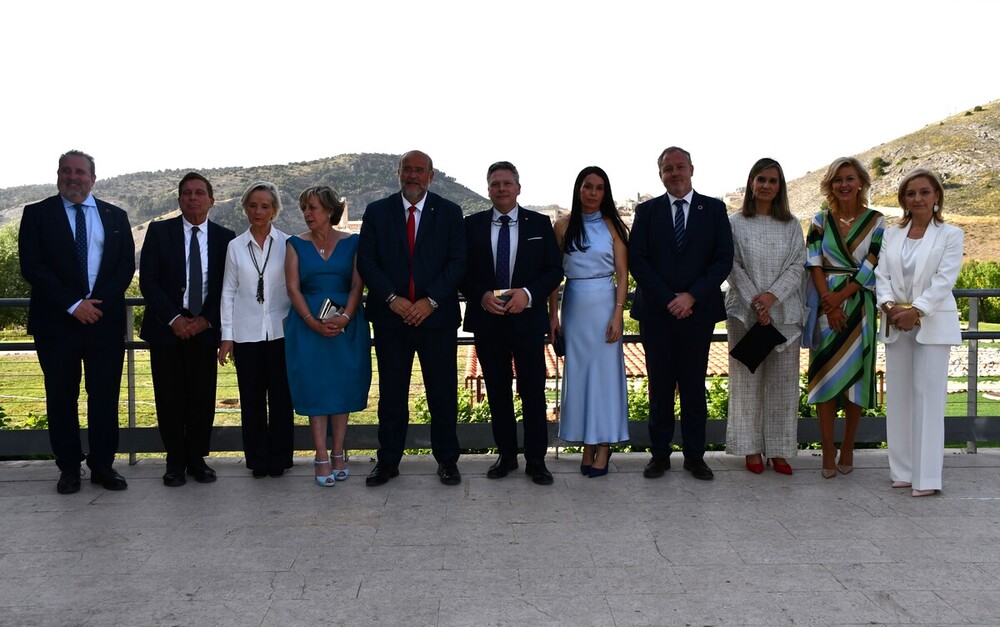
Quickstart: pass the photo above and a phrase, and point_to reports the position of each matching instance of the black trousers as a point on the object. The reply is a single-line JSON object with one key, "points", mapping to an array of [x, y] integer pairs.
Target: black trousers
{"points": [[437, 350], [677, 358], [265, 404], [184, 380], [101, 355], [496, 351]]}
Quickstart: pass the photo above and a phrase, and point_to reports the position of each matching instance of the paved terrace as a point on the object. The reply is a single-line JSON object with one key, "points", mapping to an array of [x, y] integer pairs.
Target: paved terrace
{"points": [[620, 550]]}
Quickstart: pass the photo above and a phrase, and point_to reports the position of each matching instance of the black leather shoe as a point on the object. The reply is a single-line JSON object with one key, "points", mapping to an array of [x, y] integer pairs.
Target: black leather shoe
{"points": [[259, 473], [503, 465], [381, 474], [538, 472], [656, 467], [201, 472], [699, 469], [69, 482], [174, 477], [109, 479], [276, 472], [449, 473]]}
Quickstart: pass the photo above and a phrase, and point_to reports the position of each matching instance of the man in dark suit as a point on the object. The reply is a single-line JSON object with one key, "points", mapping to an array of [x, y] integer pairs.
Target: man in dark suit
{"points": [[680, 252], [411, 254], [78, 255], [180, 274], [514, 264]]}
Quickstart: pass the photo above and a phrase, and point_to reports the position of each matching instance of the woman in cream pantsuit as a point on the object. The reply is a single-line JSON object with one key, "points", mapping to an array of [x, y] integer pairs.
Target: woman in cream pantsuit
{"points": [[921, 257]]}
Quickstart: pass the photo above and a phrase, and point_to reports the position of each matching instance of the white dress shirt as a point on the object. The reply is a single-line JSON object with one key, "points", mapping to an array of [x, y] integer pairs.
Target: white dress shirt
{"points": [[203, 246], [95, 239], [244, 319]]}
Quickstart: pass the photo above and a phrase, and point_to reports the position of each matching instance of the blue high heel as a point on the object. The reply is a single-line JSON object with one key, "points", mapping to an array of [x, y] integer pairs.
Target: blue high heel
{"points": [[342, 474], [325, 481], [600, 472]]}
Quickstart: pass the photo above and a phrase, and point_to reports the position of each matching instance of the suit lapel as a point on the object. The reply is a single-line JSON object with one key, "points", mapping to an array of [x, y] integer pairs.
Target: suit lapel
{"points": [[427, 218], [524, 226]]}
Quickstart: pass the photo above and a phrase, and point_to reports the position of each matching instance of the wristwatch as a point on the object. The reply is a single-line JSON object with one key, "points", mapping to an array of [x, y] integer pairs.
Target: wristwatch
{"points": [[432, 302]]}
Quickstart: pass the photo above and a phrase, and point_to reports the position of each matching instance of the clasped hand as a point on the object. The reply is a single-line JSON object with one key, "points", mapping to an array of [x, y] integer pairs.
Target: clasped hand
{"points": [[412, 314], [761, 307], [187, 328], [903, 318], [518, 302], [681, 306], [87, 311]]}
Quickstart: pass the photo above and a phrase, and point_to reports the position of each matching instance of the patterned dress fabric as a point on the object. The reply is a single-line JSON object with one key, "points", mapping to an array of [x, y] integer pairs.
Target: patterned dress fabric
{"points": [[844, 362]]}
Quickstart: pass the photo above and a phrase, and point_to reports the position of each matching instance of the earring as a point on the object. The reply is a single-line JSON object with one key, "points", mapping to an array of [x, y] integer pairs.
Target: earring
{"points": [[935, 208]]}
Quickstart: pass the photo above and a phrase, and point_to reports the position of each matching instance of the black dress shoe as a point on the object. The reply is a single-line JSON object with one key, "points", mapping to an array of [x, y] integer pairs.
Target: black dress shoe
{"points": [[201, 472], [259, 474], [381, 474], [699, 469], [174, 477], [656, 467], [109, 479], [276, 472], [449, 474], [69, 482], [538, 472], [503, 465]]}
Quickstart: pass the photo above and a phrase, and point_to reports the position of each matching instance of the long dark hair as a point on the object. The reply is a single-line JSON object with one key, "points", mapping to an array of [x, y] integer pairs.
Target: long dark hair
{"points": [[575, 236]]}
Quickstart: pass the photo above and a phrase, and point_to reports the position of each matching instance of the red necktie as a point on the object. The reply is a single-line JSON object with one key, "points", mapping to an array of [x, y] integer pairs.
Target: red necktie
{"points": [[411, 236]]}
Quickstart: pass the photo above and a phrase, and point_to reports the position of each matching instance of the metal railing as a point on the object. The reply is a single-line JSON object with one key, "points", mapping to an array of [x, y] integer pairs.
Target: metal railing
{"points": [[971, 428]]}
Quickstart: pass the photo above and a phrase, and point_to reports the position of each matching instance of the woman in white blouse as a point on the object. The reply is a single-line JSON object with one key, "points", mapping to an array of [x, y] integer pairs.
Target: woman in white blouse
{"points": [[765, 287], [920, 260], [254, 303]]}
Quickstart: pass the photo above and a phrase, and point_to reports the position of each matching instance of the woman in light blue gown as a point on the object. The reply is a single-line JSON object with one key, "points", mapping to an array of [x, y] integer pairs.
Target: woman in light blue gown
{"points": [[594, 242]]}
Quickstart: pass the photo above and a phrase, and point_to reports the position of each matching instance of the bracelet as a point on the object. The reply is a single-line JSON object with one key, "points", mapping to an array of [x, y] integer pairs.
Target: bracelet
{"points": [[307, 317], [620, 304], [343, 315], [390, 298]]}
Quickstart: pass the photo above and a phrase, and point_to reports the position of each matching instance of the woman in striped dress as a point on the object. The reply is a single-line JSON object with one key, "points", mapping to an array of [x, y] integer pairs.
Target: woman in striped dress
{"points": [[843, 248]]}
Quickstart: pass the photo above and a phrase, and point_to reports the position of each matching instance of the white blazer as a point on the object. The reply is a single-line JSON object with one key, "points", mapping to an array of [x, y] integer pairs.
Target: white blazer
{"points": [[939, 258]]}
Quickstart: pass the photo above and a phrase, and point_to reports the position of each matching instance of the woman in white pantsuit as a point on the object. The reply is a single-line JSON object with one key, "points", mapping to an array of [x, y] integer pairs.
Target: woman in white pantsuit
{"points": [[921, 257]]}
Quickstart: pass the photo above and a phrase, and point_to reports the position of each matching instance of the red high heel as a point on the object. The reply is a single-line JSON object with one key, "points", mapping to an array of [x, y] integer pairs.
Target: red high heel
{"points": [[755, 468], [780, 466]]}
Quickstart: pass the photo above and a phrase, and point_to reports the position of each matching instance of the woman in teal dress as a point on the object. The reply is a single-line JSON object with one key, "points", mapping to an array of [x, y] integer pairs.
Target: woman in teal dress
{"points": [[843, 249], [329, 360]]}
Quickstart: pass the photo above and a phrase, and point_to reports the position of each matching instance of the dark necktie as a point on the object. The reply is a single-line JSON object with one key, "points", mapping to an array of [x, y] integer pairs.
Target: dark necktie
{"points": [[81, 244], [503, 254], [679, 223], [411, 238], [194, 274]]}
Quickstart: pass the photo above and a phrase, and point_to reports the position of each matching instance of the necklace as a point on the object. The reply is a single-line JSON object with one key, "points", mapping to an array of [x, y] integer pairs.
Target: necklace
{"points": [[322, 249], [848, 222], [259, 269]]}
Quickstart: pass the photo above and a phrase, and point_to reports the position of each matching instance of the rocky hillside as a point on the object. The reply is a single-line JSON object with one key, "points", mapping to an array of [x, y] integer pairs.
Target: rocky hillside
{"points": [[963, 149], [361, 178]]}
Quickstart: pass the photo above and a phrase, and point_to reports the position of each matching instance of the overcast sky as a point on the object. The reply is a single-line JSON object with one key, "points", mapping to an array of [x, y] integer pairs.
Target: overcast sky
{"points": [[550, 86]]}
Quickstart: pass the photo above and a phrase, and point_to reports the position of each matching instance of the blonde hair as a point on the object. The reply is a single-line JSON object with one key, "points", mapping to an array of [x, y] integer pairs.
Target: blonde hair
{"points": [[826, 185], [328, 198]]}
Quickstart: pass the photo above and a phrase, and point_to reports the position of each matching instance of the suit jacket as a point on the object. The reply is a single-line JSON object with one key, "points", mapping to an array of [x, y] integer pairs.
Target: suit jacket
{"points": [[439, 258], [537, 267], [45, 248], [163, 279], [661, 271], [938, 261]]}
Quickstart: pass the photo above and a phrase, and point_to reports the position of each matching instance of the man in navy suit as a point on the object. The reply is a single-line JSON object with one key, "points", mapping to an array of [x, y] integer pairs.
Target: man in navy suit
{"points": [[180, 274], [411, 255], [78, 255], [514, 264], [680, 252]]}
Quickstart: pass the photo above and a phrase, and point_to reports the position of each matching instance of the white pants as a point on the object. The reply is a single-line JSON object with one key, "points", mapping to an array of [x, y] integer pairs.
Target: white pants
{"points": [[917, 388]]}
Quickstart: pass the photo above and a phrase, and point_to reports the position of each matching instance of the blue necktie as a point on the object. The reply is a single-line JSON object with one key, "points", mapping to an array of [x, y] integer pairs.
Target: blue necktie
{"points": [[503, 254], [194, 274], [81, 244], [679, 223]]}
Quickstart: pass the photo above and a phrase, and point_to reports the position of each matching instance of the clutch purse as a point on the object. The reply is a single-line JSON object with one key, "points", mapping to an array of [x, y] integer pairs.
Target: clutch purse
{"points": [[756, 345], [328, 309], [559, 345]]}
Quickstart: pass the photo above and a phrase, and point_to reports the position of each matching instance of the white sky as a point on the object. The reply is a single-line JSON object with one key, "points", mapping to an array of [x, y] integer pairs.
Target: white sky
{"points": [[550, 86]]}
